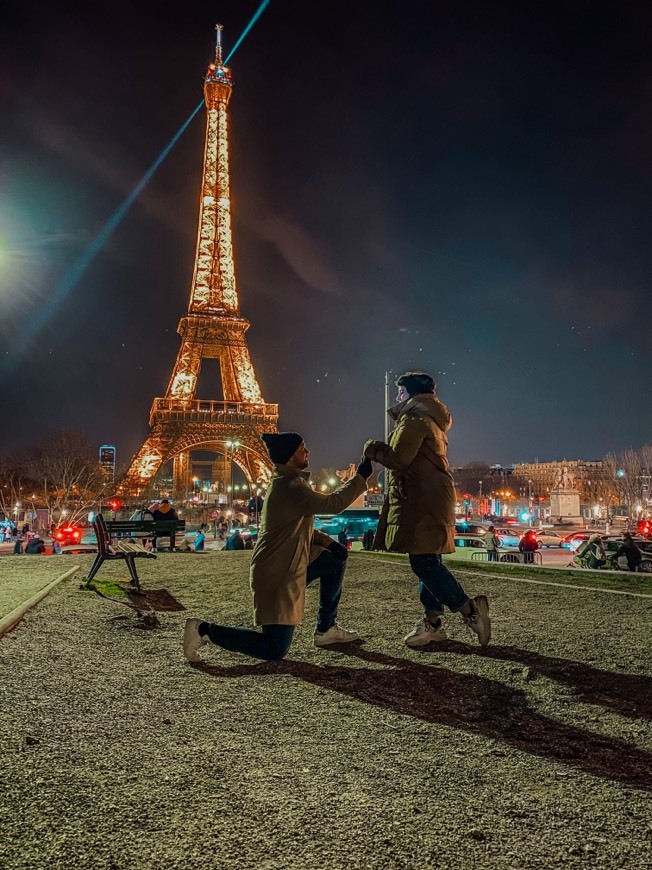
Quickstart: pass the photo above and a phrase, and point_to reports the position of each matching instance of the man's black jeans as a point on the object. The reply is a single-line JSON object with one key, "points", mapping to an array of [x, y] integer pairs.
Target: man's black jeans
{"points": [[274, 641]]}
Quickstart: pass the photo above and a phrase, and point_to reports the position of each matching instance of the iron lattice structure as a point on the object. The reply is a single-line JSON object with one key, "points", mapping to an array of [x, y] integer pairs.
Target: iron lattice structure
{"points": [[212, 329]]}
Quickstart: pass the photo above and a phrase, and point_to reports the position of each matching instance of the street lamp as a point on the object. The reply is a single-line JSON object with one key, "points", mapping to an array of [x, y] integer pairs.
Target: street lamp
{"points": [[232, 445]]}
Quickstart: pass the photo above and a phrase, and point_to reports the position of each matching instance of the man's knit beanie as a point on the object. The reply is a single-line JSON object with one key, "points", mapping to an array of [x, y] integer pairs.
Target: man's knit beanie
{"points": [[281, 446]]}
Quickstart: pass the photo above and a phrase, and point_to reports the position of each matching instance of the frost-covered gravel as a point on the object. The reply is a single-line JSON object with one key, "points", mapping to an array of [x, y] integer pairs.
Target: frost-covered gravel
{"points": [[116, 753]]}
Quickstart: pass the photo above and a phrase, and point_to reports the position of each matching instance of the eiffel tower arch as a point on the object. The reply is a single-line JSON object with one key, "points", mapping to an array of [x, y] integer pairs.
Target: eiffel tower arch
{"points": [[212, 329]]}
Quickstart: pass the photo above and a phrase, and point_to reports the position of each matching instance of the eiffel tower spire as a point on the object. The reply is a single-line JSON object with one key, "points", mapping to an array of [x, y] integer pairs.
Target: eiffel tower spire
{"points": [[212, 329]]}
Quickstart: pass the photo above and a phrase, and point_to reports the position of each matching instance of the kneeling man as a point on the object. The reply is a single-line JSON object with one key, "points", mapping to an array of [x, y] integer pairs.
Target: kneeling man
{"points": [[280, 565]]}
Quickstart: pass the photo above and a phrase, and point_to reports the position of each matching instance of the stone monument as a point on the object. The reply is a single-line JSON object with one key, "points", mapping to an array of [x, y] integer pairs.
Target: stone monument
{"points": [[565, 499]]}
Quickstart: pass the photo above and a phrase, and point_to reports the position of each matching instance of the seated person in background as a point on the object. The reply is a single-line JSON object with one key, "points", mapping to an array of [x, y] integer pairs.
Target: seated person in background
{"points": [[164, 511], [35, 546], [235, 541], [199, 541]]}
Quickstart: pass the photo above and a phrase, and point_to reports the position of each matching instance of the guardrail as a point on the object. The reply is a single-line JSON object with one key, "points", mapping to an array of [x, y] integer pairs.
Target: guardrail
{"points": [[508, 556]]}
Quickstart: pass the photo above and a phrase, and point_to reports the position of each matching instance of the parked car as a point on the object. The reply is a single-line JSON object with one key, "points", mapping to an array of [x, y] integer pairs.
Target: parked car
{"points": [[464, 527], [507, 521], [572, 541], [548, 539], [70, 534], [612, 544], [475, 542], [508, 537], [644, 527]]}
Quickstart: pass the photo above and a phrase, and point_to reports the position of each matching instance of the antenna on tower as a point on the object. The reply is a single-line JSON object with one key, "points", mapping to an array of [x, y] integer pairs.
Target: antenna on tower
{"points": [[218, 46]]}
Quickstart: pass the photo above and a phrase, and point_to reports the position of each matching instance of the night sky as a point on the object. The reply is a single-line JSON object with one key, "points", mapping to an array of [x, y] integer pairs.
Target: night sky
{"points": [[463, 188]]}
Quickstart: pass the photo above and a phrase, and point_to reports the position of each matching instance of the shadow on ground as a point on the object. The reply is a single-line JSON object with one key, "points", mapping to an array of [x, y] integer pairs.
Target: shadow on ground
{"points": [[469, 702], [629, 694]]}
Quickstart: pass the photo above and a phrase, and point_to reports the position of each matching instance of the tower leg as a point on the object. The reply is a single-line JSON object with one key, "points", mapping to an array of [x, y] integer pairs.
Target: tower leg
{"points": [[181, 475]]}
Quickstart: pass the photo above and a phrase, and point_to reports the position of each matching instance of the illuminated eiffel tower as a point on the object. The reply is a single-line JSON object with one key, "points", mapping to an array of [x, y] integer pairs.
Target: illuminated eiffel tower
{"points": [[212, 329]]}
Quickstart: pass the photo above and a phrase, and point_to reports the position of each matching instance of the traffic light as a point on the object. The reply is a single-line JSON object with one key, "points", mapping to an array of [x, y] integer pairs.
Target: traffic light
{"points": [[114, 504]]}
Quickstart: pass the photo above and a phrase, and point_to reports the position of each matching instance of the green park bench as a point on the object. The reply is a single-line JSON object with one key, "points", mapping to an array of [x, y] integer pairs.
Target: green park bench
{"points": [[115, 541], [145, 528]]}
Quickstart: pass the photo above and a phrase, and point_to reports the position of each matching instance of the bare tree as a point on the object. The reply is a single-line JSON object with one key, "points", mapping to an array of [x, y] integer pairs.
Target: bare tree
{"points": [[13, 482], [68, 475], [627, 472]]}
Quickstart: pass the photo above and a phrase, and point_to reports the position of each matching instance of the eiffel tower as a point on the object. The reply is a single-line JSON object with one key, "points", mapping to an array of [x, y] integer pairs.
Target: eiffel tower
{"points": [[212, 329]]}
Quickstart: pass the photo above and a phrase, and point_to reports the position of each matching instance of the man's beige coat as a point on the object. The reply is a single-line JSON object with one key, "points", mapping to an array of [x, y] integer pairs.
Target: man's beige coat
{"points": [[280, 558]]}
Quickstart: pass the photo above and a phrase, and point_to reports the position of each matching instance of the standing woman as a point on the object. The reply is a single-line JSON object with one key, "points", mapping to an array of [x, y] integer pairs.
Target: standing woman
{"points": [[418, 516]]}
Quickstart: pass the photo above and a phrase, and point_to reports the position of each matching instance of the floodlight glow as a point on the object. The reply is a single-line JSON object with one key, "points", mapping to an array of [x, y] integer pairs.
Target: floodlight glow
{"points": [[41, 316]]}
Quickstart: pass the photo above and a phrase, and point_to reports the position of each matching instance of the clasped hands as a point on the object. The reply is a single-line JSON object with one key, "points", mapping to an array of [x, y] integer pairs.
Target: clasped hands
{"points": [[366, 469]]}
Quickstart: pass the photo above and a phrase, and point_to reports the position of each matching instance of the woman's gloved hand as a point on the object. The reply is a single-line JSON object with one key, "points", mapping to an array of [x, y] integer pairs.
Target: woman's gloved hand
{"points": [[365, 469]]}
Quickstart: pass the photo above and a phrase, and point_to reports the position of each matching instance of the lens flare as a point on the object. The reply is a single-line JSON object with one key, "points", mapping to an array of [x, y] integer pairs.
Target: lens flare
{"points": [[81, 264]]}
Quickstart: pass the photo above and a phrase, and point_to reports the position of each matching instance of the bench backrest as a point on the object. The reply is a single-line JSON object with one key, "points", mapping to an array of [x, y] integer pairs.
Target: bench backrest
{"points": [[101, 533], [150, 526]]}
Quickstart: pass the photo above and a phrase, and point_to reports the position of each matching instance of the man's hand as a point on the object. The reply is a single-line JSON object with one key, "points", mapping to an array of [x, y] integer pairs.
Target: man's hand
{"points": [[365, 469], [339, 551]]}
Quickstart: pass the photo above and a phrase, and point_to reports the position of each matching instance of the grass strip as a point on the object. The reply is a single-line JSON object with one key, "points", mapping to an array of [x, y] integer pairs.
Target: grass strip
{"points": [[510, 571]]}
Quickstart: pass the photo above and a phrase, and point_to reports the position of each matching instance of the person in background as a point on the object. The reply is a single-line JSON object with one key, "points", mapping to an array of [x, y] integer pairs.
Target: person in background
{"points": [[528, 545], [343, 537], [631, 552], [418, 515], [18, 545], [164, 511], [199, 541], [280, 561], [235, 541], [492, 543], [593, 551], [35, 546]]}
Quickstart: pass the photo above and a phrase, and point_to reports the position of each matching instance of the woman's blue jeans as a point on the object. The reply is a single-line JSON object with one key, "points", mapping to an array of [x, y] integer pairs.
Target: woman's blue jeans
{"points": [[437, 586]]}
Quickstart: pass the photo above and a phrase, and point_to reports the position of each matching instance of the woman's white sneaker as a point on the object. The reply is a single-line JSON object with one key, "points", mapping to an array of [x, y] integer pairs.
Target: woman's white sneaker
{"points": [[424, 633], [478, 620]]}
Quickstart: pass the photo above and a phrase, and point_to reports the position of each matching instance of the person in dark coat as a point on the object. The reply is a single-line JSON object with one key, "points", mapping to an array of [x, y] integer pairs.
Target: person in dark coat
{"points": [[164, 511], [18, 545], [528, 545], [631, 552], [418, 516], [343, 537], [35, 546]]}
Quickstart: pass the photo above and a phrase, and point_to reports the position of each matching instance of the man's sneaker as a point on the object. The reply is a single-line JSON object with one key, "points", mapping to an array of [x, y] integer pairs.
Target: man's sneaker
{"points": [[424, 633], [192, 640], [335, 634], [478, 620]]}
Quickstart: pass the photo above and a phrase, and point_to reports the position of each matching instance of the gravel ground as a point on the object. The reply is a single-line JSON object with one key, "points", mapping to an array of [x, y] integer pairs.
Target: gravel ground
{"points": [[116, 753], [23, 576]]}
